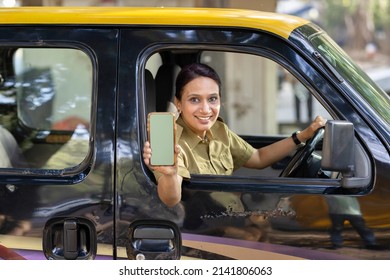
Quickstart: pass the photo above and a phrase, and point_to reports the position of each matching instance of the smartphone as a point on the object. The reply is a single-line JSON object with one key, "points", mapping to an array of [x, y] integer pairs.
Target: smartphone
{"points": [[162, 138]]}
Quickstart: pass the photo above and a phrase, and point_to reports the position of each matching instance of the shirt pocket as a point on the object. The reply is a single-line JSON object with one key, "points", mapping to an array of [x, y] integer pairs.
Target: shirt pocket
{"points": [[227, 165]]}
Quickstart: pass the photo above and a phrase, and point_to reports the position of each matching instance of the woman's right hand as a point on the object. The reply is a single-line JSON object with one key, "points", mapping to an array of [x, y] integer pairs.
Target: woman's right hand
{"points": [[169, 184], [166, 170]]}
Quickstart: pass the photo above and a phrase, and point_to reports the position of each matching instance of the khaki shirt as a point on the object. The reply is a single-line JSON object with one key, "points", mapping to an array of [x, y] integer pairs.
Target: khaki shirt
{"points": [[223, 152]]}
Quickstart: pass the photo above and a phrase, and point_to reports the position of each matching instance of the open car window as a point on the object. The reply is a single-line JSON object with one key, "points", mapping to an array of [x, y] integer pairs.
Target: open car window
{"points": [[262, 105], [263, 99], [267, 99]]}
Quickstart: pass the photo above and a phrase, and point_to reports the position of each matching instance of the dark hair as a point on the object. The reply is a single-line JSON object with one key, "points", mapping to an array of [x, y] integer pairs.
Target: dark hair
{"points": [[193, 71]]}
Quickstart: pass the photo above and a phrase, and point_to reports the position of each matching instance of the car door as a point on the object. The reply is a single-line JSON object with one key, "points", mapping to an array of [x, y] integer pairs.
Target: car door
{"points": [[58, 107], [271, 88]]}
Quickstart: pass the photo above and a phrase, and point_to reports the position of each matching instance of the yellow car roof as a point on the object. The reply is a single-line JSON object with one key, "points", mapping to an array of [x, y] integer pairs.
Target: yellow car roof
{"points": [[280, 24]]}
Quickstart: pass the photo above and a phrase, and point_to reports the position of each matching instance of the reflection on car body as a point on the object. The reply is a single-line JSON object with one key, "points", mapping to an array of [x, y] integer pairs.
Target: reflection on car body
{"points": [[77, 85]]}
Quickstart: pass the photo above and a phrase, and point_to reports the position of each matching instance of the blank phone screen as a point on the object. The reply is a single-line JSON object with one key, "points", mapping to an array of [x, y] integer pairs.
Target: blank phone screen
{"points": [[162, 138]]}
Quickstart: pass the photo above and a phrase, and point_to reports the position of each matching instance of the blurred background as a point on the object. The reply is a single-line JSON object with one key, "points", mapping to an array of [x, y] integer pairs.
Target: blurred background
{"points": [[354, 24], [360, 27]]}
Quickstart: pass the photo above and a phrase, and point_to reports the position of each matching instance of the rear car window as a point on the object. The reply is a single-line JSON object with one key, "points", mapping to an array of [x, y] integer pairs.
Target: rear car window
{"points": [[45, 107]]}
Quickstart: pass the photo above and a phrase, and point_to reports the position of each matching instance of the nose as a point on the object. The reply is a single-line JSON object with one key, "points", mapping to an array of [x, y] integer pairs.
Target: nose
{"points": [[205, 107]]}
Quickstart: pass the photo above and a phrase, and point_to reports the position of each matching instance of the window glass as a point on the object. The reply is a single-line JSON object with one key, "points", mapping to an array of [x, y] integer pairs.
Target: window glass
{"points": [[377, 98], [46, 105]]}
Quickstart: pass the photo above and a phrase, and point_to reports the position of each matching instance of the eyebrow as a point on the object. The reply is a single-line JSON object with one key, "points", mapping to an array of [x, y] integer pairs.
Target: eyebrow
{"points": [[198, 95]]}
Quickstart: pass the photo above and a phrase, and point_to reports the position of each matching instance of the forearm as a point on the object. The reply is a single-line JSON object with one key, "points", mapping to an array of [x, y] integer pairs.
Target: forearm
{"points": [[275, 152], [169, 189]]}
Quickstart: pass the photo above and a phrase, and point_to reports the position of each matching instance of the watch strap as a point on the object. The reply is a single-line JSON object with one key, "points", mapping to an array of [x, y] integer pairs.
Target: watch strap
{"points": [[295, 138]]}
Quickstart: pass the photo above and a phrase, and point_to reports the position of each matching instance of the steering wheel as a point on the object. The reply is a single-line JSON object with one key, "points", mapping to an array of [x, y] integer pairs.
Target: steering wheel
{"points": [[302, 155]]}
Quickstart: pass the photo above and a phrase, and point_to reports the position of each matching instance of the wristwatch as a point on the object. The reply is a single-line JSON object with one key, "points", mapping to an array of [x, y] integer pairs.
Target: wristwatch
{"points": [[295, 138]]}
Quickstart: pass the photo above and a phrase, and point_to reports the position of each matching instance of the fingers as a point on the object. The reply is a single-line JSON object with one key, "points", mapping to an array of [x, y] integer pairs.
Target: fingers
{"points": [[317, 123], [177, 150], [147, 153], [321, 121]]}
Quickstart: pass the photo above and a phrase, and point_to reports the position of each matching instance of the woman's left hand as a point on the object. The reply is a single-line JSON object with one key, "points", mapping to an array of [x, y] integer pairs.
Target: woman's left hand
{"points": [[308, 132]]}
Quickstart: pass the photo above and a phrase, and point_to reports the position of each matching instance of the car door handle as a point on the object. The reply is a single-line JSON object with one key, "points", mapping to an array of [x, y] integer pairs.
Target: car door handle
{"points": [[67, 238], [154, 239]]}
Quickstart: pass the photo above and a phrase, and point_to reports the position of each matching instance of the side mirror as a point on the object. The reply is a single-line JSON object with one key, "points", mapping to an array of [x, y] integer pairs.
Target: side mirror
{"points": [[338, 147], [339, 154]]}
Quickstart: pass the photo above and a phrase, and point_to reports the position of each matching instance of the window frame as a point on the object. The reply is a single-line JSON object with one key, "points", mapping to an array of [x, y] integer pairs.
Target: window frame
{"points": [[87, 41]]}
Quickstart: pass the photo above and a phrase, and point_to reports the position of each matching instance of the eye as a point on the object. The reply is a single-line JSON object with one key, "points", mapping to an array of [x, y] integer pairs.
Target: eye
{"points": [[213, 99], [194, 100]]}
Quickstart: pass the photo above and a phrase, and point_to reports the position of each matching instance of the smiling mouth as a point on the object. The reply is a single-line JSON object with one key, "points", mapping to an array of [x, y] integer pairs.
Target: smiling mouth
{"points": [[204, 118]]}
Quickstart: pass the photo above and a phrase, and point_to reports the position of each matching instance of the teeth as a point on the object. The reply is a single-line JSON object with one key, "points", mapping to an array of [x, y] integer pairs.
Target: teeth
{"points": [[204, 118]]}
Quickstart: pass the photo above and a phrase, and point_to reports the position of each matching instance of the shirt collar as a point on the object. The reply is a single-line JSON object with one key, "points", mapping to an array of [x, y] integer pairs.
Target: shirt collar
{"points": [[193, 138]]}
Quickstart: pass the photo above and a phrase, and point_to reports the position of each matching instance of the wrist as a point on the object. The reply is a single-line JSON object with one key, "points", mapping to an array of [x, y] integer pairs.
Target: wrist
{"points": [[171, 173], [297, 138]]}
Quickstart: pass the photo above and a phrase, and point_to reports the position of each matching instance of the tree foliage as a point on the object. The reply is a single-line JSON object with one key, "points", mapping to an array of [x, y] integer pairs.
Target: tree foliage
{"points": [[356, 23]]}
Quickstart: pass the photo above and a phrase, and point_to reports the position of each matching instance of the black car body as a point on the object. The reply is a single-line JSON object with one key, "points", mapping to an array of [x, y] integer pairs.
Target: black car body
{"points": [[77, 85]]}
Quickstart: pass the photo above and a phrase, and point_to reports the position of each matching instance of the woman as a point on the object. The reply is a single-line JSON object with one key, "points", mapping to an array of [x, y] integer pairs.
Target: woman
{"points": [[205, 143]]}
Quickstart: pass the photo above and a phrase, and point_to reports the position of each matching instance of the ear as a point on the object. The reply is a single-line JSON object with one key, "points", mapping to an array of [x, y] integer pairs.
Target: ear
{"points": [[172, 108], [177, 104]]}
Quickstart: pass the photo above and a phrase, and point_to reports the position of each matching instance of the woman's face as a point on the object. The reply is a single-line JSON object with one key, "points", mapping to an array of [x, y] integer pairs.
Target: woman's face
{"points": [[200, 104]]}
